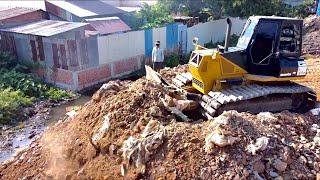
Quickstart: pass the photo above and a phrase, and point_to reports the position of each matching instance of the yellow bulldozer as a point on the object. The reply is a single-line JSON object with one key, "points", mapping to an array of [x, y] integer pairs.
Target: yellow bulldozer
{"points": [[256, 75]]}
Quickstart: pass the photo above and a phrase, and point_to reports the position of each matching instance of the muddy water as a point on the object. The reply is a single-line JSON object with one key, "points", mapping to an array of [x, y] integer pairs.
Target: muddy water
{"points": [[60, 111], [13, 139]]}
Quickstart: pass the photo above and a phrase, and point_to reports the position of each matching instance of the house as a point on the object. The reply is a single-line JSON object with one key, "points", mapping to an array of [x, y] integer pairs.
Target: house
{"points": [[107, 25], [59, 46], [78, 11], [13, 16]]}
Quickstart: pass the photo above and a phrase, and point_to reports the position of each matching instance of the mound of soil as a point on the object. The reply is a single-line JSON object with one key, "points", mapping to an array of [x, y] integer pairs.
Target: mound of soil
{"points": [[311, 38], [126, 132]]}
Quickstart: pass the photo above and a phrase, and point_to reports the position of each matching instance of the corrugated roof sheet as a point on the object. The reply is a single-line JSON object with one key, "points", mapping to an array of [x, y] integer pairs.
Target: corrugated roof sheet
{"points": [[87, 8], [108, 25], [45, 28], [6, 13]]}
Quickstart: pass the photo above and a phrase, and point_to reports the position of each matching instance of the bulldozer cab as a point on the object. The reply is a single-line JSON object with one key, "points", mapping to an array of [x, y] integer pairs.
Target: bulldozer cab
{"points": [[270, 46]]}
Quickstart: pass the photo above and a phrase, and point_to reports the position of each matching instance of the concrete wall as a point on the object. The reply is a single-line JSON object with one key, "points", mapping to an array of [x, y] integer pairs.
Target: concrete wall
{"points": [[212, 31], [120, 46]]}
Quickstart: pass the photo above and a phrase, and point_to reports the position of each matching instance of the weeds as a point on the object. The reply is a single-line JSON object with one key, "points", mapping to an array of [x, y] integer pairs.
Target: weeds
{"points": [[19, 89]]}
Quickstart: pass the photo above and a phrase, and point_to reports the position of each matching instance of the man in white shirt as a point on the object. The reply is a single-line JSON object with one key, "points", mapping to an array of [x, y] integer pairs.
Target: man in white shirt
{"points": [[157, 57]]}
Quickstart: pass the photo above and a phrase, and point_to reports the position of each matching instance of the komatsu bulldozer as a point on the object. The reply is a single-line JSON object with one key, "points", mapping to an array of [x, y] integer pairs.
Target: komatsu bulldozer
{"points": [[257, 74]]}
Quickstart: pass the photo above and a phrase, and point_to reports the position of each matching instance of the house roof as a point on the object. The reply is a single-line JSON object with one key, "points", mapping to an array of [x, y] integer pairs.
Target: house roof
{"points": [[45, 28], [87, 8], [108, 25], [6, 13]]}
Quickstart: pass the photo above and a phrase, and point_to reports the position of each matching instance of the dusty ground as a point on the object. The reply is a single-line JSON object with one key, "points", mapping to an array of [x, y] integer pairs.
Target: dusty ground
{"points": [[125, 132]]}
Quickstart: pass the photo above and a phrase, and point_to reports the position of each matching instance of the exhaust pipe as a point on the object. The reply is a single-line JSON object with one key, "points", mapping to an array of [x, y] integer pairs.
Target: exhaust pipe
{"points": [[228, 34]]}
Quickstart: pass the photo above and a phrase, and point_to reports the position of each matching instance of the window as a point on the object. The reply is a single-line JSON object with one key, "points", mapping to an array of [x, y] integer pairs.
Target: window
{"points": [[263, 43], [290, 40], [195, 59], [246, 34]]}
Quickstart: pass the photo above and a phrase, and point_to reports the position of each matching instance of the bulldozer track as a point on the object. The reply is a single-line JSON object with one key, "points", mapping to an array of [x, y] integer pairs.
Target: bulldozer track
{"points": [[253, 98]]}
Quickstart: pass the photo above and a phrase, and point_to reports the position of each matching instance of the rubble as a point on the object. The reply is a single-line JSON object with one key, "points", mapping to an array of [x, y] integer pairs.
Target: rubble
{"points": [[132, 130], [311, 38]]}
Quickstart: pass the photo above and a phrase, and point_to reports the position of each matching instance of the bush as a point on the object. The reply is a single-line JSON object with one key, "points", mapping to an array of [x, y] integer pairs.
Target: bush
{"points": [[233, 42], [10, 103], [172, 61], [30, 86], [7, 61]]}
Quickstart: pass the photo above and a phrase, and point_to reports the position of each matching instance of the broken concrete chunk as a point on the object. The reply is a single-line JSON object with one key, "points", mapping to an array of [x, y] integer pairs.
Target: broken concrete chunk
{"points": [[316, 138], [315, 112], [280, 165], [186, 105], [103, 129], [215, 138], [266, 116], [139, 150], [71, 114], [260, 145]]}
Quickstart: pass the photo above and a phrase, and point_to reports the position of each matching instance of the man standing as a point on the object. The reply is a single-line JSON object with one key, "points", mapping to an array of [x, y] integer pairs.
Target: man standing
{"points": [[157, 57]]}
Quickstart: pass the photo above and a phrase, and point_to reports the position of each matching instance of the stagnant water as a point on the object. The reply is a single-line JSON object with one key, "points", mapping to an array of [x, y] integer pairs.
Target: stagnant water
{"points": [[16, 138]]}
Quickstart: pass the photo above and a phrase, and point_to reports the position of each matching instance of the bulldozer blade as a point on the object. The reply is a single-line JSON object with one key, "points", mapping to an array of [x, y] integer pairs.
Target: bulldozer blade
{"points": [[154, 76]]}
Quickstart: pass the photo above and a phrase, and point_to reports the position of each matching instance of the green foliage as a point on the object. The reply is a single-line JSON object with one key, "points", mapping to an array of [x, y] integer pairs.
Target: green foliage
{"points": [[30, 86], [57, 94], [216, 9], [10, 103], [233, 42], [172, 61], [152, 16], [19, 89], [7, 61], [299, 11]]}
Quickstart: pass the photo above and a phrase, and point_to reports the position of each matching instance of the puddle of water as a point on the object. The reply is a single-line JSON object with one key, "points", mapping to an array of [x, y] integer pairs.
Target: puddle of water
{"points": [[60, 111], [20, 138]]}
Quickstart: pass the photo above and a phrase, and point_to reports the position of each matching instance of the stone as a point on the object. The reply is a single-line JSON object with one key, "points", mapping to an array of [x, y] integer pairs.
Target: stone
{"points": [[259, 166], [280, 165], [273, 174], [260, 145]]}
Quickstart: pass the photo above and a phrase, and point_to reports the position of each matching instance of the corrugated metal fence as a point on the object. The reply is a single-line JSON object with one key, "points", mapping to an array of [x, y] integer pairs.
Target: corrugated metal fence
{"points": [[122, 46]]}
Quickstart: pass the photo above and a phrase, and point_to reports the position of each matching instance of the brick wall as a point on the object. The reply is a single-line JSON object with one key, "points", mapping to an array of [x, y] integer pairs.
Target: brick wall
{"points": [[93, 76], [127, 65], [60, 78]]}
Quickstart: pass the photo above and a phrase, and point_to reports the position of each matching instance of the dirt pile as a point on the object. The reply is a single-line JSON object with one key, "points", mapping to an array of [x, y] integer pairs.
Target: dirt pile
{"points": [[311, 38], [126, 132]]}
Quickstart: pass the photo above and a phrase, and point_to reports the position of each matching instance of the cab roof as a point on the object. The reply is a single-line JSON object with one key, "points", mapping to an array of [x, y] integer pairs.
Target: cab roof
{"points": [[275, 18]]}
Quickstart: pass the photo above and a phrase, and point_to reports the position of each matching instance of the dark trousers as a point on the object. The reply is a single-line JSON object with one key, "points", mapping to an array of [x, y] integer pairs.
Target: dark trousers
{"points": [[157, 65]]}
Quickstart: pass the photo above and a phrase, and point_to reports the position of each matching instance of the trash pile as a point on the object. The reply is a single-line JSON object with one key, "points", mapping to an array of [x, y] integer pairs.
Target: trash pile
{"points": [[130, 130], [311, 38]]}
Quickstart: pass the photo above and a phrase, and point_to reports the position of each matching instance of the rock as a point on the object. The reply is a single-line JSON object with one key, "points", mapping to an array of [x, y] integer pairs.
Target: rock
{"points": [[103, 129], [273, 174], [71, 114], [316, 138], [266, 116], [257, 176], [280, 165], [279, 178], [216, 138], [258, 166], [260, 145], [318, 176], [155, 111]]}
